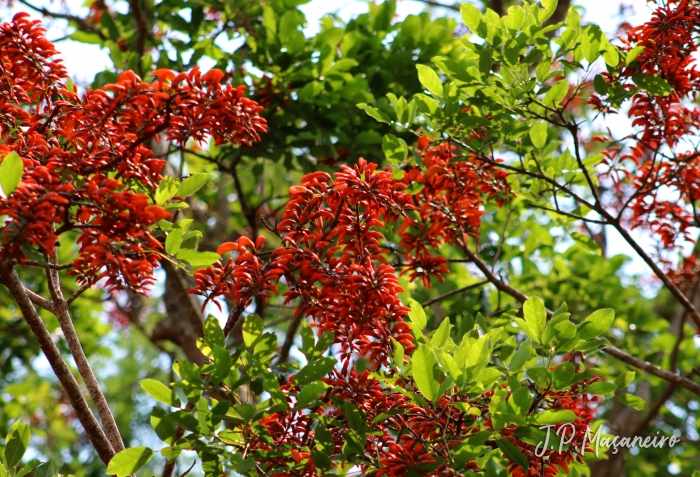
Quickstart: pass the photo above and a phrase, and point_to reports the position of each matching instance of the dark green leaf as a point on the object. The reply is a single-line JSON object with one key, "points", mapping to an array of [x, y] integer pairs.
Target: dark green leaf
{"points": [[512, 453], [652, 84], [315, 370]]}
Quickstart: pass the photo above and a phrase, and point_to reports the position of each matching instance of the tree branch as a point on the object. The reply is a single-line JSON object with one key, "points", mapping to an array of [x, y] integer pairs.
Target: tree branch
{"points": [[82, 23], [609, 349], [454, 292], [652, 369], [98, 398], [289, 339], [92, 428], [39, 300], [433, 3]]}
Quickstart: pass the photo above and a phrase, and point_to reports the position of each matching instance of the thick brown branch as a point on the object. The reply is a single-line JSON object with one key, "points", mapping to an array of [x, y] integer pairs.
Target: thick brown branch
{"points": [[92, 428], [652, 369]]}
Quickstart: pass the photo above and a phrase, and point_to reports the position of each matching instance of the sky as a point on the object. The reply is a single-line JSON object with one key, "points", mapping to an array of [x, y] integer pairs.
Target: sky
{"points": [[83, 61]]}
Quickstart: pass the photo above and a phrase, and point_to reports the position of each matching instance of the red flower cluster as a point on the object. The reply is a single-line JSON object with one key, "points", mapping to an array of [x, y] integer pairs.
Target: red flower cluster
{"points": [[668, 44], [243, 278], [87, 167], [450, 205], [332, 260]]}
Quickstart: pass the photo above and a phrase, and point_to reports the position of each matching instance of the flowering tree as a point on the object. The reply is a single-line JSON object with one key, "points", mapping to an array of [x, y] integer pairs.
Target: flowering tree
{"points": [[499, 150]]}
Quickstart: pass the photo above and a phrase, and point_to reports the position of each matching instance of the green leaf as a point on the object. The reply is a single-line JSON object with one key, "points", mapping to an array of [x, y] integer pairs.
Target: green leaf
{"points": [[173, 241], [11, 169], [652, 84], [550, 330], [166, 189], [315, 370], [321, 460], [430, 79], [535, 314], [107, 22], [624, 380], [252, 329], [521, 357], [310, 393], [549, 7], [398, 353], [192, 184], [586, 243], [596, 324], [426, 372], [85, 37], [222, 363], [634, 53], [17, 444], [479, 356], [198, 259], [556, 93], [512, 453], [521, 400], [324, 439], [554, 417], [213, 334], [611, 55], [161, 392], [515, 18], [448, 363], [395, 149], [426, 104], [164, 428], [601, 388], [45, 470], [539, 375], [528, 330], [442, 334], [417, 314], [375, 113], [563, 375], [472, 17], [600, 85], [591, 41], [633, 401], [129, 461], [538, 134], [27, 468]]}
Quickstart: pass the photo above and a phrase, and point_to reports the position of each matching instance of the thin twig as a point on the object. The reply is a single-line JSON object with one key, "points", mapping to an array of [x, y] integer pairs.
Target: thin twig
{"points": [[454, 292], [82, 23], [78, 292]]}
